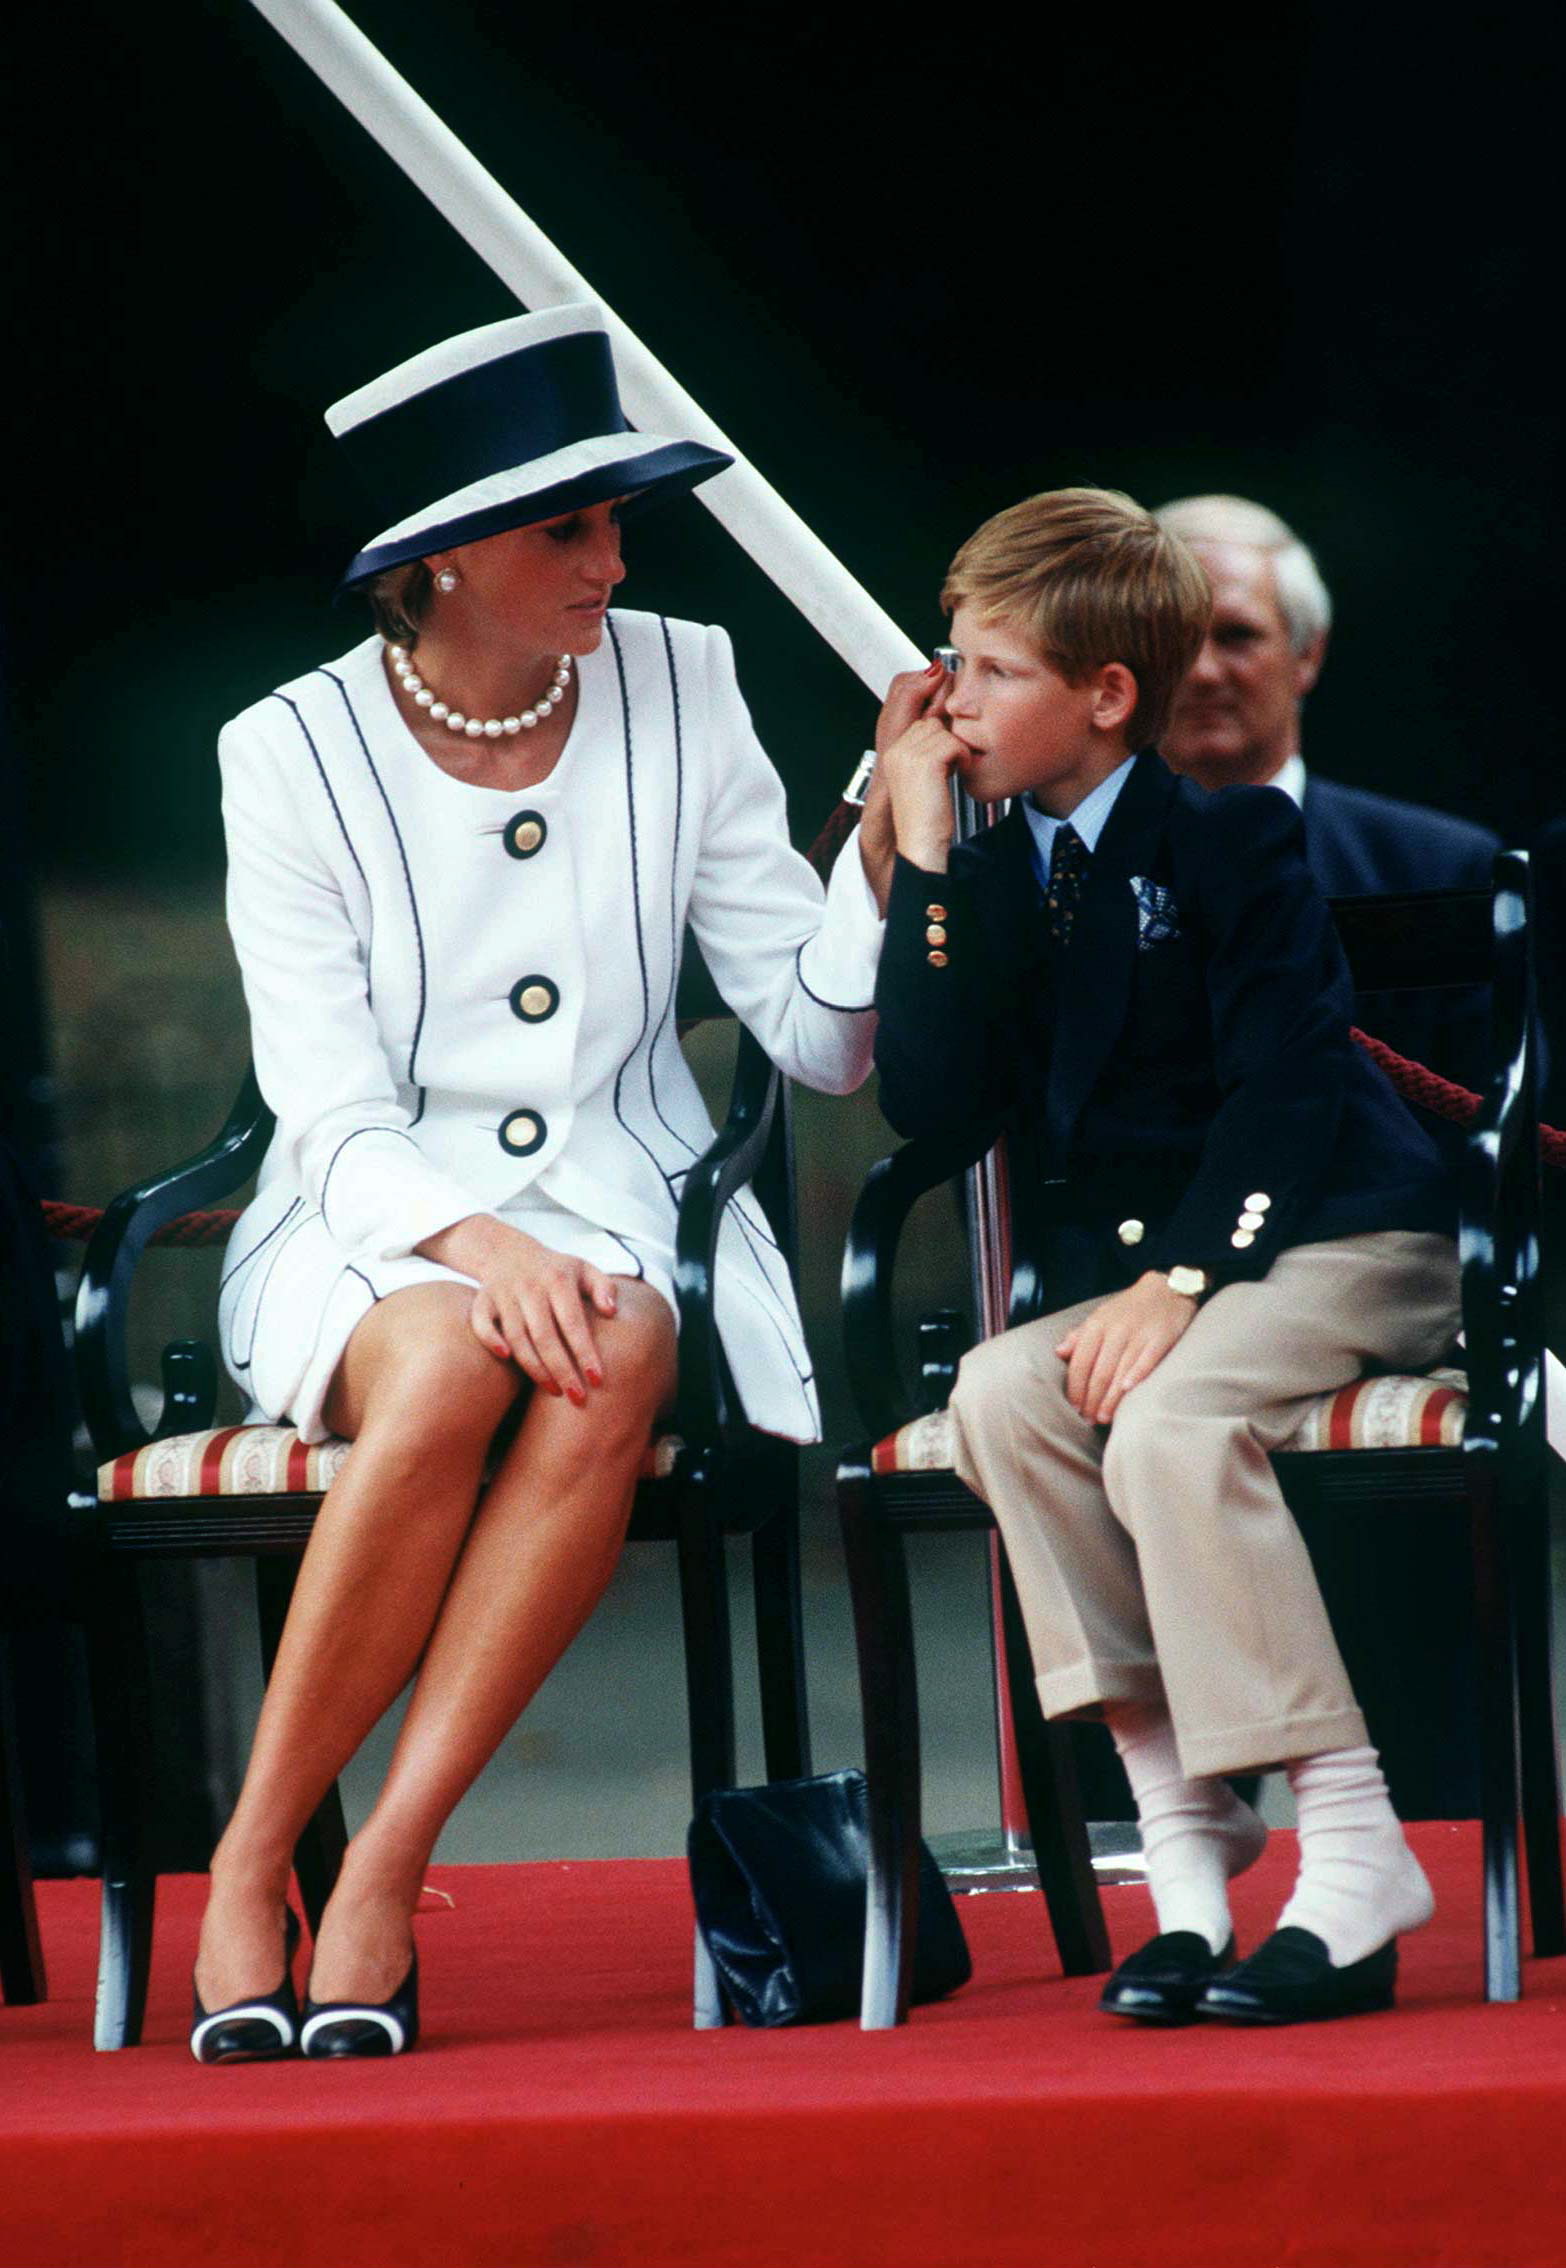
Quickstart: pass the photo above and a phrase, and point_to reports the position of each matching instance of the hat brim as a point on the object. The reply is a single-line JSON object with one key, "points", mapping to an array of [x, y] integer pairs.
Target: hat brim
{"points": [[646, 476]]}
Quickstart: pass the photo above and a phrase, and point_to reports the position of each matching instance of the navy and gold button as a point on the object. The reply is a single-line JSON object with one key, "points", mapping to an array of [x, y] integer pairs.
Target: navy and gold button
{"points": [[524, 836], [534, 999], [935, 934], [522, 1132], [935, 913], [937, 959]]}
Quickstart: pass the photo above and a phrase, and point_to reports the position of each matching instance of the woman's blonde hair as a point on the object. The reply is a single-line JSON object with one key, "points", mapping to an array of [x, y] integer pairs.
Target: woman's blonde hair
{"points": [[399, 600], [1089, 577]]}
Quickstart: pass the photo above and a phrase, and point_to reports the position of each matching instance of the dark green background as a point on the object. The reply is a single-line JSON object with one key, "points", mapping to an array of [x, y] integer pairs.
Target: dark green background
{"points": [[1295, 254]]}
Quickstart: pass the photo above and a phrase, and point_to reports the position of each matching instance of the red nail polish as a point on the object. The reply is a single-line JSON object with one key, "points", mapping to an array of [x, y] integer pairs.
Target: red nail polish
{"points": [[578, 1397]]}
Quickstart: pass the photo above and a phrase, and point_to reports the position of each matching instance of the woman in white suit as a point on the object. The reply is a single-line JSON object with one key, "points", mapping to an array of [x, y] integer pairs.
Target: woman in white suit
{"points": [[462, 859]]}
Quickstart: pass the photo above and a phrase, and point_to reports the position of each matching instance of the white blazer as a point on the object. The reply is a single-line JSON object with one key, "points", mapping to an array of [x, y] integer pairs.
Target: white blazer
{"points": [[460, 994]]}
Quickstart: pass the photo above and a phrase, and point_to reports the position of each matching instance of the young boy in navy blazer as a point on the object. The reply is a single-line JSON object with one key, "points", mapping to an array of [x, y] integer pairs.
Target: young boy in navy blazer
{"points": [[1139, 982]]}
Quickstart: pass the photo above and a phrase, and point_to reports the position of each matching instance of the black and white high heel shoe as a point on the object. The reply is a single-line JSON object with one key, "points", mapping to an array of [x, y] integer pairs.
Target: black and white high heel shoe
{"points": [[252, 2031], [338, 2028]]}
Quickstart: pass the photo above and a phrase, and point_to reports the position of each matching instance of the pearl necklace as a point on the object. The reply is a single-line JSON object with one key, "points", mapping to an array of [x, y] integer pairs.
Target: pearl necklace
{"points": [[476, 728]]}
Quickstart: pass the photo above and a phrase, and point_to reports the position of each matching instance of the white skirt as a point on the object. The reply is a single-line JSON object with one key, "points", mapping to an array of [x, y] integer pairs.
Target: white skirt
{"points": [[290, 1302]]}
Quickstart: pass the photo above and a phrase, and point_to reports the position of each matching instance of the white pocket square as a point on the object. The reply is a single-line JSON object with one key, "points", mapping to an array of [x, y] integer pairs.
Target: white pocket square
{"points": [[1157, 914]]}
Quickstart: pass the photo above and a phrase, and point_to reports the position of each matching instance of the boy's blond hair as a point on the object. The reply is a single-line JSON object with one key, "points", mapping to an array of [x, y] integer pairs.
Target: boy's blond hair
{"points": [[1089, 577]]}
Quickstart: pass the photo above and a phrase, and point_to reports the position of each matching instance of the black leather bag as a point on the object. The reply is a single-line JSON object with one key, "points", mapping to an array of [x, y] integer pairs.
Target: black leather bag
{"points": [[778, 1876]]}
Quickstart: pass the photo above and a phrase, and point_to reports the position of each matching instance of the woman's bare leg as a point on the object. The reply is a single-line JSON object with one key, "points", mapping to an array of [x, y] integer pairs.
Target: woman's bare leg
{"points": [[534, 1565], [421, 1400]]}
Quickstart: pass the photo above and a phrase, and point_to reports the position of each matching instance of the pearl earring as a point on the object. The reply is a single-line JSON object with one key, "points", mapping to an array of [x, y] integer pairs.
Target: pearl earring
{"points": [[447, 579]]}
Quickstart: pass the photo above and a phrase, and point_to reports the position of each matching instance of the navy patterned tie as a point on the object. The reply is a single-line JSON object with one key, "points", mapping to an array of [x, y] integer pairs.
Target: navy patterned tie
{"points": [[1068, 865]]}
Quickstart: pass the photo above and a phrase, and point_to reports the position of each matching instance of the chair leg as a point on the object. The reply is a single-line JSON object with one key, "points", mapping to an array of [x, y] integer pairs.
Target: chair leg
{"points": [[1495, 1610], [709, 1684], [889, 1694], [122, 1726], [780, 1631], [1055, 1823], [1539, 1747], [22, 1978], [318, 1855]]}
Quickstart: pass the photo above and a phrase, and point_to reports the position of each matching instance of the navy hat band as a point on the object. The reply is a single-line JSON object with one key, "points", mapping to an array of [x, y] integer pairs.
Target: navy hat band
{"points": [[508, 411]]}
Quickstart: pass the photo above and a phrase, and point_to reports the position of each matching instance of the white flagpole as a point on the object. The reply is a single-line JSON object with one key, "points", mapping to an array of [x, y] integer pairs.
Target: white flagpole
{"points": [[522, 256]]}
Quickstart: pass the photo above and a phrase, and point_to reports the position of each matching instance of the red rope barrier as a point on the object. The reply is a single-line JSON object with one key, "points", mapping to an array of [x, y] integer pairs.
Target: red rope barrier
{"points": [[74, 1224], [1417, 1083], [1414, 1081]]}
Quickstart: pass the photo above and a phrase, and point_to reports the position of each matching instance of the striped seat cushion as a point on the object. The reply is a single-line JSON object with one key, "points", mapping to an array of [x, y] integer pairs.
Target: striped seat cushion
{"points": [[263, 1460], [1373, 1413]]}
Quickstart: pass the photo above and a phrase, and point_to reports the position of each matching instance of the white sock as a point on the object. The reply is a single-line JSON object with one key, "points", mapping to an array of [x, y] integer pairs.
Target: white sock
{"points": [[1359, 1883], [1196, 1834]]}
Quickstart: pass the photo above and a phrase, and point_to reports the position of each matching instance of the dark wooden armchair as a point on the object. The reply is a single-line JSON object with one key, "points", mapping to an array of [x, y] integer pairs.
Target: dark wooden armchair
{"points": [[186, 1489], [1471, 1445]]}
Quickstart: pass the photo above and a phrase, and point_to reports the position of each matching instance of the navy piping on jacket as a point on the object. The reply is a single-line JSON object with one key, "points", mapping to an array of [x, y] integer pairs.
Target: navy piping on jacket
{"points": [[636, 901], [838, 1007], [402, 1135], [342, 828], [243, 1363], [804, 1376], [636, 912], [674, 883], [407, 875], [260, 1246], [631, 1252]]}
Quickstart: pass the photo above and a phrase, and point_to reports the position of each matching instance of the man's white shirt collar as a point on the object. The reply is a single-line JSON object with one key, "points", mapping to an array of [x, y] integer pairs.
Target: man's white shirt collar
{"points": [[1290, 776]]}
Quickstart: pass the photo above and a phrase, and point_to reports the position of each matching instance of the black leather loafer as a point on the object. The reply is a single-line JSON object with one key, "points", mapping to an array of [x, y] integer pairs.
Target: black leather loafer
{"points": [[1290, 1980], [1164, 1979]]}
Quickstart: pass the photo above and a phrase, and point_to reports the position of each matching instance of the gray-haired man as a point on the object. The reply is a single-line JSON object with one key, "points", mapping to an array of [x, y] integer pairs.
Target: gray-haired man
{"points": [[1236, 722]]}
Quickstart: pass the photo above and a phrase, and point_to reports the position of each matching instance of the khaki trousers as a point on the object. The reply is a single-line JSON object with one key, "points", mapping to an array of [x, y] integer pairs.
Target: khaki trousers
{"points": [[1156, 1558]]}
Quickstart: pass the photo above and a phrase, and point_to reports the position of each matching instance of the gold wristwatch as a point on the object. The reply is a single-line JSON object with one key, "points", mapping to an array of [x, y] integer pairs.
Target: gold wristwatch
{"points": [[1190, 1283]]}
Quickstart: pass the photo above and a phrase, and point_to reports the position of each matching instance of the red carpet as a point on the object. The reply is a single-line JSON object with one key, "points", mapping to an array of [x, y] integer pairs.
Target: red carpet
{"points": [[561, 2112]]}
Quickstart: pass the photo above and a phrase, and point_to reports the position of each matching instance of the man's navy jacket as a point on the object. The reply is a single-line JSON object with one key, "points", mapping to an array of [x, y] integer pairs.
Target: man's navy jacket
{"points": [[1183, 1061], [1358, 844]]}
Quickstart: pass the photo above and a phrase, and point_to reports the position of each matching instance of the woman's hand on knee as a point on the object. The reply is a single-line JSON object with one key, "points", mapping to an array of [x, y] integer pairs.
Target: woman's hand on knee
{"points": [[534, 1306], [538, 1311]]}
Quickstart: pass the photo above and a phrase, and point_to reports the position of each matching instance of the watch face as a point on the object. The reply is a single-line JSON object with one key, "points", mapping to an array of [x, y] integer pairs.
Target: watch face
{"points": [[1192, 1282]]}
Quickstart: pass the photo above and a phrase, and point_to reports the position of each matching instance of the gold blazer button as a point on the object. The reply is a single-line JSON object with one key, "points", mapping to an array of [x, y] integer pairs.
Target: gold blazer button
{"points": [[935, 934], [937, 960], [1131, 1232]]}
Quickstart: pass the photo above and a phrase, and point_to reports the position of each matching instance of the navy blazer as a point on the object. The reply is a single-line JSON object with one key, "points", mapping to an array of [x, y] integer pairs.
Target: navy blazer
{"points": [[1185, 1060], [1359, 844]]}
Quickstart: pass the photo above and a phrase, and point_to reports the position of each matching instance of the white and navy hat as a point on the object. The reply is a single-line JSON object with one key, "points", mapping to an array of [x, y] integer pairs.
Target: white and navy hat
{"points": [[515, 422]]}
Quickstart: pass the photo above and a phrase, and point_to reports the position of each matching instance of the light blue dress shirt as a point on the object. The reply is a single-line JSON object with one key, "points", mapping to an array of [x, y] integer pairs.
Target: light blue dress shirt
{"points": [[1088, 819]]}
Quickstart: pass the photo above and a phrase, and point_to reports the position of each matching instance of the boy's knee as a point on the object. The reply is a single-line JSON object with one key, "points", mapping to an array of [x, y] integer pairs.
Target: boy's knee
{"points": [[985, 1384], [1003, 1375]]}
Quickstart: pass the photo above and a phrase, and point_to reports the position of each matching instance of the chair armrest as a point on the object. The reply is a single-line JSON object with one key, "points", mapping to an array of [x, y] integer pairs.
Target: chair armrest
{"points": [[892, 1188], [116, 1245], [1503, 1321], [702, 1399]]}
